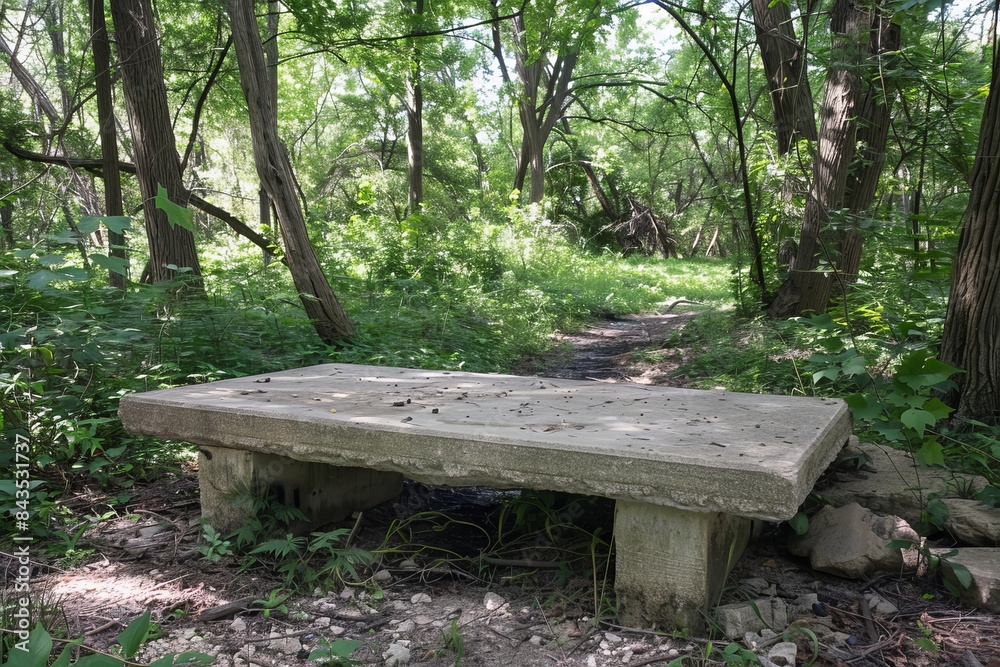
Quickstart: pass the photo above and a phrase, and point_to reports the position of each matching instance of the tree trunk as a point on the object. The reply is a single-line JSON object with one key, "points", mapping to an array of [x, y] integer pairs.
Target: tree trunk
{"points": [[35, 91], [153, 146], [971, 338], [108, 133], [873, 118], [538, 110], [275, 173], [784, 66], [805, 288], [415, 121], [7, 223]]}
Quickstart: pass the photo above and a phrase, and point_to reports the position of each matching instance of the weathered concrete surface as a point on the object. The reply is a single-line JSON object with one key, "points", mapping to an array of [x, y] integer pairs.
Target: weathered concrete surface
{"points": [[748, 455], [323, 493], [670, 564]]}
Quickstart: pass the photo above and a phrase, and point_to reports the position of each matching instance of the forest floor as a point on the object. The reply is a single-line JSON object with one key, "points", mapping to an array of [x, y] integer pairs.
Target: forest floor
{"points": [[438, 613]]}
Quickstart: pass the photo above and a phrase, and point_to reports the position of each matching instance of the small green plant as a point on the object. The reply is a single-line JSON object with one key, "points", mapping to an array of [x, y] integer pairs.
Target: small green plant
{"points": [[734, 655], [453, 642], [955, 576], [336, 653], [926, 641], [38, 647], [215, 546], [275, 602]]}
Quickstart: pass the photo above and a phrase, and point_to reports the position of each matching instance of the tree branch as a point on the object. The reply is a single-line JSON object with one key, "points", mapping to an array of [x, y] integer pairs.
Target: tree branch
{"points": [[96, 167]]}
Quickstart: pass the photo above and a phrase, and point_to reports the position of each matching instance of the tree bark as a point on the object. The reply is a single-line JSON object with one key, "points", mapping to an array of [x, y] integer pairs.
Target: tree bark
{"points": [[971, 338], [415, 122], [108, 133], [873, 119], [806, 288], [153, 145], [783, 58], [276, 177], [35, 91]]}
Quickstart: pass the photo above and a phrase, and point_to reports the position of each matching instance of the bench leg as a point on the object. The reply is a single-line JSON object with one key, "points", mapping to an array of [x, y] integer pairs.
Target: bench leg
{"points": [[671, 564], [324, 493]]}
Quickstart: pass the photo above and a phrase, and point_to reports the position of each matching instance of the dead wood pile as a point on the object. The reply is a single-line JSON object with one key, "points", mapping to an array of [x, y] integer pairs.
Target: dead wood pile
{"points": [[644, 231]]}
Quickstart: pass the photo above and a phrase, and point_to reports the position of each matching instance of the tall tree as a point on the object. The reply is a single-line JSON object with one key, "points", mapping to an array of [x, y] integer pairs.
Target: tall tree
{"points": [[546, 39], [108, 133], [783, 56], [971, 338], [153, 146], [415, 116], [854, 111], [276, 176]]}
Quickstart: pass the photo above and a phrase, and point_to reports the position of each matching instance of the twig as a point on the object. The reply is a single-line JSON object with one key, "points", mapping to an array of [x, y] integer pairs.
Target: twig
{"points": [[354, 530], [969, 660], [866, 614], [101, 628]]}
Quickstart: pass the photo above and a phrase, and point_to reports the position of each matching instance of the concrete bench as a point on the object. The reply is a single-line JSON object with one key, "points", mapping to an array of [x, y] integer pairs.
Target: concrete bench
{"points": [[688, 469]]}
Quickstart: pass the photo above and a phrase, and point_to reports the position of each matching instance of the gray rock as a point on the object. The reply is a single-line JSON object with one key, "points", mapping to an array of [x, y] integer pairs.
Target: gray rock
{"points": [[492, 601], [739, 618], [420, 598], [852, 541], [286, 645], [783, 653], [803, 606], [880, 605], [758, 586], [984, 566], [973, 523], [398, 653], [891, 483]]}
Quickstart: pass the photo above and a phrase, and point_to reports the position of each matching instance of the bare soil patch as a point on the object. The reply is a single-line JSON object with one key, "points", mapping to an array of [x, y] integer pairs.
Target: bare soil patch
{"points": [[434, 611]]}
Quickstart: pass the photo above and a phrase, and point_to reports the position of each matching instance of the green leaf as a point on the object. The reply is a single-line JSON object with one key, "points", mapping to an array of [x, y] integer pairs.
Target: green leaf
{"points": [[918, 369], [89, 224], [902, 544], [931, 453], [37, 655], [186, 658], [918, 419], [131, 638], [345, 647], [937, 408], [959, 572], [990, 495], [41, 278], [63, 659], [177, 216], [799, 523], [830, 373], [117, 265], [52, 260], [864, 406], [856, 365]]}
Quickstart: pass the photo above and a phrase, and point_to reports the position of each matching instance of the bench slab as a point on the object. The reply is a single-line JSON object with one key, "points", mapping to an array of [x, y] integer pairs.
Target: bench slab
{"points": [[704, 462]]}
